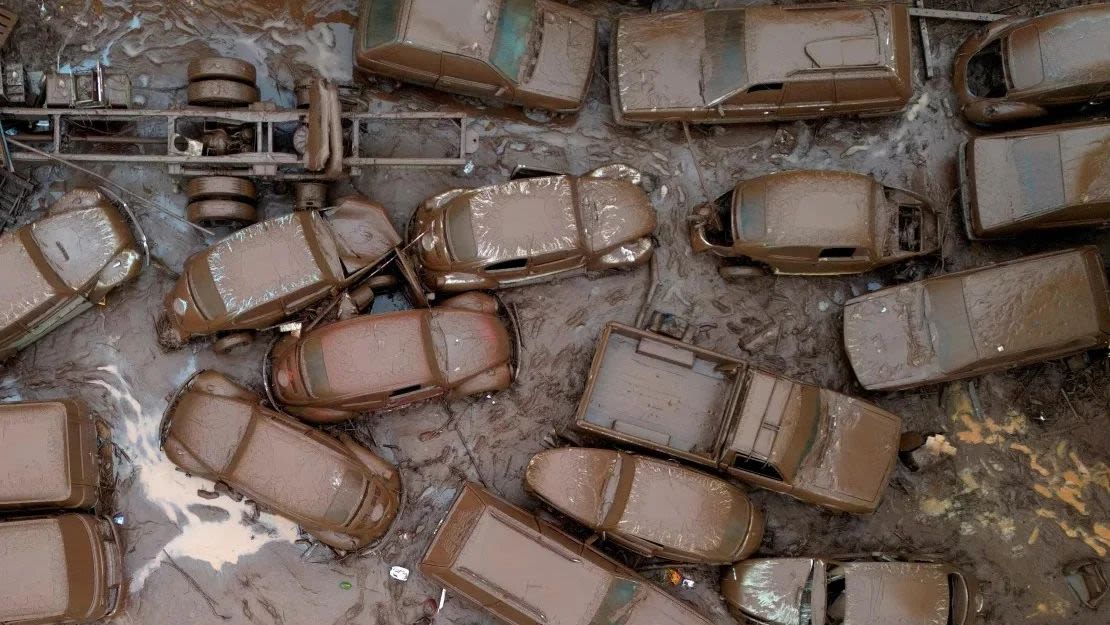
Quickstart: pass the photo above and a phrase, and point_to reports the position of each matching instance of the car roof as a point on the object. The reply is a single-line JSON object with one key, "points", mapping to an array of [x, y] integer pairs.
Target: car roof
{"points": [[516, 219], [683, 509], [895, 593], [210, 426], [1024, 173], [466, 27], [1060, 49], [811, 208], [24, 288], [34, 579], [272, 259], [370, 354], [34, 458]]}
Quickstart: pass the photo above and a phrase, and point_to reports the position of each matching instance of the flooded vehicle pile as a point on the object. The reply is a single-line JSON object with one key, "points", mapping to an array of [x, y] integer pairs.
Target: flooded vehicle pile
{"points": [[399, 311]]}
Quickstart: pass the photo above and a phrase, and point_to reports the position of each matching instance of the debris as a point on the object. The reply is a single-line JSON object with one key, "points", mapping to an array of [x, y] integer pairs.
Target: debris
{"points": [[345, 585], [1087, 580], [119, 518], [399, 573]]}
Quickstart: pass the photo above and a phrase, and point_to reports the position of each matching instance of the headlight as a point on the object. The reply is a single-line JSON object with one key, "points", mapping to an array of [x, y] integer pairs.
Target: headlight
{"points": [[180, 306]]}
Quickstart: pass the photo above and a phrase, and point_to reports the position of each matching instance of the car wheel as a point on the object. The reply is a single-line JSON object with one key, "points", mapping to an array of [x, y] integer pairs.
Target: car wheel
{"points": [[220, 92], [221, 188], [221, 213], [230, 343], [221, 68], [735, 273]]}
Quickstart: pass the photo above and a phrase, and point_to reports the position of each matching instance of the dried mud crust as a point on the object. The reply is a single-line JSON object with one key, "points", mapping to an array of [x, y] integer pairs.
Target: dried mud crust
{"points": [[994, 508]]}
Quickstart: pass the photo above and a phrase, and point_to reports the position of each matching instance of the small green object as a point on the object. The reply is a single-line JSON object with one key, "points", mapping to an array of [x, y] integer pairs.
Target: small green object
{"points": [[345, 585]]}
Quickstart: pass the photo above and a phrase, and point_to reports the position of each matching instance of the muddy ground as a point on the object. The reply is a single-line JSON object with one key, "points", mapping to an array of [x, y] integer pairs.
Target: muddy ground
{"points": [[1027, 490]]}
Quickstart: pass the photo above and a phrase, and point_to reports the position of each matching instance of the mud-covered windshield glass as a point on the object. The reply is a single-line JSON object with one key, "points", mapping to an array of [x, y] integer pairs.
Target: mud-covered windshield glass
{"points": [[724, 68], [617, 605], [511, 44], [379, 22], [460, 232]]}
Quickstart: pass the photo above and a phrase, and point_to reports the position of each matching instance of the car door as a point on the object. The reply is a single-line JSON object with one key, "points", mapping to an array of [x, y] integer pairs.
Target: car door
{"points": [[408, 62], [808, 94], [862, 92], [471, 76], [545, 265], [758, 101]]}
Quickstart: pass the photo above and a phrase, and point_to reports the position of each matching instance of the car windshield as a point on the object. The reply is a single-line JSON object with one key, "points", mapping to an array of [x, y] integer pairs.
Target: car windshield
{"points": [[724, 69], [617, 605], [379, 22], [511, 43]]}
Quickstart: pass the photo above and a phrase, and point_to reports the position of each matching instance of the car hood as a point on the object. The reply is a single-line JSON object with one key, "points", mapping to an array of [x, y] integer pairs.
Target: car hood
{"points": [[855, 454], [564, 63], [573, 480], [614, 212], [895, 593], [886, 335], [658, 61], [468, 343], [769, 590]]}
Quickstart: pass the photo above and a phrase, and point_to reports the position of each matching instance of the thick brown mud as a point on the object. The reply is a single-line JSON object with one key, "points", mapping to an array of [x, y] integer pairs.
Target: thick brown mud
{"points": [[1027, 489]]}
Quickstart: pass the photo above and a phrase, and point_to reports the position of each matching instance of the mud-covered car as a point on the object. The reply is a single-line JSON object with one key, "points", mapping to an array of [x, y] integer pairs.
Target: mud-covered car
{"points": [[535, 53], [874, 589], [48, 456], [383, 361], [61, 569], [1024, 68], [980, 320], [533, 229], [654, 507], [761, 64], [525, 571], [712, 410], [1038, 179], [335, 489], [61, 265], [259, 276], [813, 222]]}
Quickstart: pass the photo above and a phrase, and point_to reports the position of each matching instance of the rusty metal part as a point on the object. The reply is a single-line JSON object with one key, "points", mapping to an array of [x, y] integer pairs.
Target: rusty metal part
{"points": [[309, 195], [964, 16], [210, 213], [221, 68], [220, 188], [1087, 579], [14, 83], [8, 20], [263, 159], [220, 92]]}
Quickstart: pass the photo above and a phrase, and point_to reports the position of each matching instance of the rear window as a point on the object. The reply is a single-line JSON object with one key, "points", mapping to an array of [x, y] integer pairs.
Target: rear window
{"points": [[379, 22], [724, 69], [460, 232], [511, 43], [753, 212]]}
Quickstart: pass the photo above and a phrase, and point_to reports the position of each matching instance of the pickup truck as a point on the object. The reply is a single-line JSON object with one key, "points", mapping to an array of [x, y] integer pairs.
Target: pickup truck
{"points": [[712, 410]]}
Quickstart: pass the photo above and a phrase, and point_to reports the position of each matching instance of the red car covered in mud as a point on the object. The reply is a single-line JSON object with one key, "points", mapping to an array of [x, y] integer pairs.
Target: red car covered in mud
{"points": [[1024, 68], [336, 490], [61, 265], [378, 362], [261, 275]]}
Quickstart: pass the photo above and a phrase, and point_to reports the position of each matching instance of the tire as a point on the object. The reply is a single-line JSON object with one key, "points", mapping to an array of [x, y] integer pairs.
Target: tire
{"points": [[221, 93], [229, 343], [381, 282], [222, 68], [735, 273], [218, 213], [220, 188]]}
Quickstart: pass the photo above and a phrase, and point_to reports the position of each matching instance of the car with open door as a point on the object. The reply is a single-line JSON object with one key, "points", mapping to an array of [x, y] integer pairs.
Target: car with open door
{"points": [[871, 589], [656, 508], [258, 277], [1027, 68], [55, 268], [334, 488], [533, 229], [535, 53], [384, 361], [813, 222], [761, 63]]}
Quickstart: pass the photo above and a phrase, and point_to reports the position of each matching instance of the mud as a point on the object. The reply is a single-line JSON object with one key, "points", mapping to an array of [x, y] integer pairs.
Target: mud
{"points": [[1027, 490]]}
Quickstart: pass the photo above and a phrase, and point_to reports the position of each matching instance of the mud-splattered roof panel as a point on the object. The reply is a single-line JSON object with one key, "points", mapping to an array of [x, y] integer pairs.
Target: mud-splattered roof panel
{"points": [[659, 60], [33, 578], [819, 209], [466, 27], [369, 354], [24, 287], [34, 464], [894, 593], [1060, 50]]}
